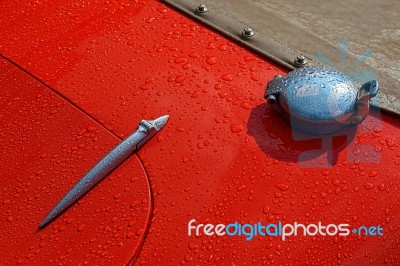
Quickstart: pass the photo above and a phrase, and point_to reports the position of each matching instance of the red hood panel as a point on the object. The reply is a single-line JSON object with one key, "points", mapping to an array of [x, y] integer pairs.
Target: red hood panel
{"points": [[46, 146], [223, 156]]}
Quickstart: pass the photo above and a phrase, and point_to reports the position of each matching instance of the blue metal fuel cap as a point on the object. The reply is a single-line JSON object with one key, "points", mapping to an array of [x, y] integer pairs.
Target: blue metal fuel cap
{"points": [[320, 100]]}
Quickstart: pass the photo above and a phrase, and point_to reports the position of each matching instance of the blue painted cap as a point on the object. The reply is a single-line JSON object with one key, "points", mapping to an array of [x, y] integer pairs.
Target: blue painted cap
{"points": [[318, 94]]}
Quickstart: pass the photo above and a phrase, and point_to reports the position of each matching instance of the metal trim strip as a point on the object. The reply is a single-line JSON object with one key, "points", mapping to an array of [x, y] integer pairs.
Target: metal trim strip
{"points": [[289, 40]]}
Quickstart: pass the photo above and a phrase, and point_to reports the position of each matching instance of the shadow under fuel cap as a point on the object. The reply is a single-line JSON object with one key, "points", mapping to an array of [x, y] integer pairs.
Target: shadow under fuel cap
{"points": [[320, 100]]}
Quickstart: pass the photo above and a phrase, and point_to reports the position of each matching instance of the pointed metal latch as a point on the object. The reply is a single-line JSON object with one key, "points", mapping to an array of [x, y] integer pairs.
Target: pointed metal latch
{"points": [[146, 130]]}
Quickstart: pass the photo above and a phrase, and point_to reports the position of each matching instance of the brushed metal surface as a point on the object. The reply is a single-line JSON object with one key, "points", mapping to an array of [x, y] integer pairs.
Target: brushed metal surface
{"points": [[286, 29]]}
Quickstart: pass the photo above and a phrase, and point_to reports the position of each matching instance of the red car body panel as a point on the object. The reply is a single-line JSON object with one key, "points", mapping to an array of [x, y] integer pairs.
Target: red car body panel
{"points": [[46, 146], [223, 156]]}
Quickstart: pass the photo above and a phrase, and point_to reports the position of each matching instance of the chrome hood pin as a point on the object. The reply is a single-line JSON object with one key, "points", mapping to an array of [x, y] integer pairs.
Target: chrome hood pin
{"points": [[146, 130], [320, 100]]}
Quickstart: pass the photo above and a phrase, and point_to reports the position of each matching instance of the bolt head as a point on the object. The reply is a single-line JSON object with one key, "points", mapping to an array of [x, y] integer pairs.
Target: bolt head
{"points": [[271, 99], [300, 60], [202, 8], [247, 32]]}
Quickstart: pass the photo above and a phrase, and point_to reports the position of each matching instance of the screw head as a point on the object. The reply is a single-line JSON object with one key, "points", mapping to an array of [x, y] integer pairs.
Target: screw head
{"points": [[300, 60], [271, 99], [202, 8], [247, 32]]}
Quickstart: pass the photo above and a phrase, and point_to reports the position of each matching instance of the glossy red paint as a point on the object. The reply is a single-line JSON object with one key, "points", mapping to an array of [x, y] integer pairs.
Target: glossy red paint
{"points": [[46, 146], [223, 156]]}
